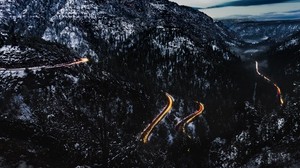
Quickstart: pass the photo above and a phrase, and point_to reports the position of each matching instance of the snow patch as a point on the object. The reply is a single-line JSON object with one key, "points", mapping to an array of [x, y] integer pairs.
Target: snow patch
{"points": [[219, 140], [24, 109], [73, 37], [9, 48], [73, 78], [170, 138], [173, 46], [251, 51], [280, 123], [76, 146], [290, 43], [5, 74], [129, 107], [158, 6], [128, 28], [191, 126], [215, 47], [243, 136], [9, 53]]}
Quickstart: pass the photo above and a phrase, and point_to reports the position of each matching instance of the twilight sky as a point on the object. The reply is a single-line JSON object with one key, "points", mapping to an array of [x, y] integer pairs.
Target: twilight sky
{"points": [[261, 9]]}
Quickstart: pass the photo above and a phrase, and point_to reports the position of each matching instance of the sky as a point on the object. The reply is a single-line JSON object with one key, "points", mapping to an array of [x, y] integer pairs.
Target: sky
{"points": [[260, 9]]}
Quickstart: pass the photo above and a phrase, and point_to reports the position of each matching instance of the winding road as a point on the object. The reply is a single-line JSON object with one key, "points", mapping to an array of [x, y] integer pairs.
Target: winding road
{"points": [[281, 101], [180, 126], [81, 60], [147, 131]]}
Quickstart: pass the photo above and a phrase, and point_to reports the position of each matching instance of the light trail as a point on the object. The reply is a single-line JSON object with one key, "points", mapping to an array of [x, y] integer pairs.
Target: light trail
{"points": [[80, 61], [180, 126], [279, 94], [147, 131]]}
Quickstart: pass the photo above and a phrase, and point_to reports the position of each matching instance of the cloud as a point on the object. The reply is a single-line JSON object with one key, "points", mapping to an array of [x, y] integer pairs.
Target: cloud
{"points": [[250, 3], [200, 3], [289, 15], [286, 10]]}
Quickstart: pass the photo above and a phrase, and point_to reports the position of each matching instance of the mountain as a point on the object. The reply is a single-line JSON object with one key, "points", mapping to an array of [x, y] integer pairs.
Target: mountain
{"points": [[284, 59], [259, 36], [84, 24], [92, 114], [259, 31], [25, 52], [270, 135], [284, 64]]}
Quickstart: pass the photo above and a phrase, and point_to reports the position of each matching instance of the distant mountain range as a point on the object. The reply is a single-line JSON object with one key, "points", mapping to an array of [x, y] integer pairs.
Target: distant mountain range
{"points": [[259, 36]]}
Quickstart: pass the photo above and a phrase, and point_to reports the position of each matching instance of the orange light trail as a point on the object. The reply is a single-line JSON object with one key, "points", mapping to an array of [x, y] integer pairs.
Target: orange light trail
{"points": [[281, 101], [147, 131], [180, 126], [80, 61]]}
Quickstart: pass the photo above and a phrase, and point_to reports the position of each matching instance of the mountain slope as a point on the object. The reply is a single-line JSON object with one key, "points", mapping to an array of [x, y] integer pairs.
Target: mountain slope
{"points": [[259, 31], [271, 136], [92, 114], [258, 37]]}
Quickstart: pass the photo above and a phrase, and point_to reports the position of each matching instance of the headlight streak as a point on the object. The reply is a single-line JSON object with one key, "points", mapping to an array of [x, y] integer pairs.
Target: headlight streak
{"points": [[147, 131], [80, 61], [278, 91], [180, 126]]}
